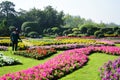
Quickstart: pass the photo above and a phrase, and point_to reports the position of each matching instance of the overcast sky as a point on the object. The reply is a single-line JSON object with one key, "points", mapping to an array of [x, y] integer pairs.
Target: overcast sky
{"points": [[106, 11]]}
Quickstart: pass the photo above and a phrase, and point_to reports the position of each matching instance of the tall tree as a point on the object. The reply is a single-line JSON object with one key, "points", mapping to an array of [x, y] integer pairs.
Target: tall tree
{"points": [[7, 10], [7, 7]]}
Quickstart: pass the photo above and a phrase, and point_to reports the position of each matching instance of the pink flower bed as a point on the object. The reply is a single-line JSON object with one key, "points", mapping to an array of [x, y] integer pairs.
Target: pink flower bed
{"points": [[52, 69], [108, 49], [60, 65]]}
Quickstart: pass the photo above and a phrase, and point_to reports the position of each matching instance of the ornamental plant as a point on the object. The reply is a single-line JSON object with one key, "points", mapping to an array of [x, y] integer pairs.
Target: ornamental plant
{"points": [[36, 52], [108, 49], [110, 70], [53, 69], [43, 42], [3, 48], [5, 60], [61, 47], [5, 42], [66, 62]]}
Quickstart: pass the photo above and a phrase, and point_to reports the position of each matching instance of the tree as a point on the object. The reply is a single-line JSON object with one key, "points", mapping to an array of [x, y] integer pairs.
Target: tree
{"points": [[73, 21], [4, 31], [52, 17], [7, 7]]}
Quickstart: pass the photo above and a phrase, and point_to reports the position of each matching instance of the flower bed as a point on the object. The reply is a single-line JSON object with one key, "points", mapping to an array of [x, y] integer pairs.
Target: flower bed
{"points": [[61, 47], [36, 53], [42, 42], [110, 70], [5, 60], [5, 42], [108, 49], [51, 70], [106, 42], [60, 65], [3, 48], [66, 37]]}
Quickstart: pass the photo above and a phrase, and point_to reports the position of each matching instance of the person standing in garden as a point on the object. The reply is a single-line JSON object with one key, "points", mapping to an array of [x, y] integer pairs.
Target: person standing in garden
{"points": [[14, 36]]}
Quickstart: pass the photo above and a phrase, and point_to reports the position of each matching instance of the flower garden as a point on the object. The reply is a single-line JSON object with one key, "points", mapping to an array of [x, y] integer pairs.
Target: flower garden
{"points": [[60, 56]]}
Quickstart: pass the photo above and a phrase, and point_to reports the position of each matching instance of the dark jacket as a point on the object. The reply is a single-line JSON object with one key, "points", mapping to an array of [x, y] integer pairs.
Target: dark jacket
{"points": [[14, 36]]}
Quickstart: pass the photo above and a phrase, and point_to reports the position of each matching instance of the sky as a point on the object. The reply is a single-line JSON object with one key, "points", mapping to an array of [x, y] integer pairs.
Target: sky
{"points": [[106, 11]]}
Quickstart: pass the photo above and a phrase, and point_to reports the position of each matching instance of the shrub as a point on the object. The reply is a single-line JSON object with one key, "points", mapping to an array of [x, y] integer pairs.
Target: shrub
{"points": [[36, 52], [32, 25], [33, 34], [71, 35], [117, 32], [109, 32], [98, 34], [5, 60], [3, 48], [110, 70]]}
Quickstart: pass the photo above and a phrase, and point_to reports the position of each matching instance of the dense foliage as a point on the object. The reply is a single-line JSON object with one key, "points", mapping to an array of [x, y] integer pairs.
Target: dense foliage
{"points": [[50, 22]]}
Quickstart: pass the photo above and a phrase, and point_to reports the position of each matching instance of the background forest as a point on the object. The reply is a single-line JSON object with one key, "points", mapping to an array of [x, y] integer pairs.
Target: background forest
{"points": [[51, 23]]}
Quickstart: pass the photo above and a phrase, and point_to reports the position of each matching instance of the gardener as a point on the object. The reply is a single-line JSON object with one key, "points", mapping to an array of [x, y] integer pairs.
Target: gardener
{"points": [[14, 36]]}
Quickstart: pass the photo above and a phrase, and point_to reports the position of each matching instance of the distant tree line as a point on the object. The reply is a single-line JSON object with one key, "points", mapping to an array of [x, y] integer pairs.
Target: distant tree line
{"points": [[50, 22]]}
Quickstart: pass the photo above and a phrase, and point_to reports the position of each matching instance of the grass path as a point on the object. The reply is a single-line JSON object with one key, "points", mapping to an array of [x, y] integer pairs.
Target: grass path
{"points": [[90, 70], [26, 63]]}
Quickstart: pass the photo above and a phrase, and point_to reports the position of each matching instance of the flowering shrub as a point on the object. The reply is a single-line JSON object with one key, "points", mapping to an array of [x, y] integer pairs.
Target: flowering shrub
{"points": [[3, 48], [110, 70], [104, 41], [108, 49], [5, 42], [42, 42], [51, 70], [116, 41], [66, 37], [37, 53], [61, 47], [21, 46], [65, 63], [5, 60]]}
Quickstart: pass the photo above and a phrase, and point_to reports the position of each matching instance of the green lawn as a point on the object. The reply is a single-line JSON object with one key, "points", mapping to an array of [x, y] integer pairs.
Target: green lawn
{"points": [[117, 45], [26, 63], [90, 70]]}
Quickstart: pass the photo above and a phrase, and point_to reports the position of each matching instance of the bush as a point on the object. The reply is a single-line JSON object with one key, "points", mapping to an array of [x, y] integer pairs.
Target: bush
{"points": [[117, 32], [109, 32], [71, 35], [32, 25], [110, 70], [11, 28], [33, 34], [98, 34], [36, 53], [5, 60]]}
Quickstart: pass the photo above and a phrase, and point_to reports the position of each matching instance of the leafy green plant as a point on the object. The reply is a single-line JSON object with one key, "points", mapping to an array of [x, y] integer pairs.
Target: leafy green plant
{"points": [[6, 60]]}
